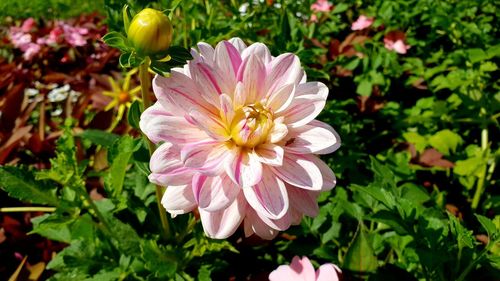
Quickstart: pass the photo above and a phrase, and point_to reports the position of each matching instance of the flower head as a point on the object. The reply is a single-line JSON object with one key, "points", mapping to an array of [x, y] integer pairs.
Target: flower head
{"points": [[362, 22], [122, 96], [321, 6], [395, 40], [239, 139], [150, 31], [303, 270]]}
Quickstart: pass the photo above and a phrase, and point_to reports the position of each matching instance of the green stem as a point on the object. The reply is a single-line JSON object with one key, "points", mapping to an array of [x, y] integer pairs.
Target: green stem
{"points": [[472, 265], [481, 180], [145, 80], [27, 209]]}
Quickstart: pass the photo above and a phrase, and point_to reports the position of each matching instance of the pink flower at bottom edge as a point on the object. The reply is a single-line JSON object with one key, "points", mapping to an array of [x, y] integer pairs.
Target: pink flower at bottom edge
{"points": [[239, 139], [303, 270], [395, 40], [362, 22]]}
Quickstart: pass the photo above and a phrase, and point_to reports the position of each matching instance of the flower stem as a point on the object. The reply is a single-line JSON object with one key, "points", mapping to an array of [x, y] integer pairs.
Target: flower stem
{"points": [[481, 180], [27, 209], [145, 80]]}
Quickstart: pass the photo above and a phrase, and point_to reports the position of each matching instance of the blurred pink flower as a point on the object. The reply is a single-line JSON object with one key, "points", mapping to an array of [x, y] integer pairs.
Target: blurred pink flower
{"points": [[238, 139], [395, 40], [303, 270], [362, 22], [321, 6], [74, 36], [28, 25], [31, 50]]}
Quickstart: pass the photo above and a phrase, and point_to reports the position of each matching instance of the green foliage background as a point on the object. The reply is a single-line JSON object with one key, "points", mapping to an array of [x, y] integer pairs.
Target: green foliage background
{"points": [[386, 219]]}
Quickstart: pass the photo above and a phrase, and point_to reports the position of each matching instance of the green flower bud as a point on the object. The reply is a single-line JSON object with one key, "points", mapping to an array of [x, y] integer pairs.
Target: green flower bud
{"points": [[150, 32]]}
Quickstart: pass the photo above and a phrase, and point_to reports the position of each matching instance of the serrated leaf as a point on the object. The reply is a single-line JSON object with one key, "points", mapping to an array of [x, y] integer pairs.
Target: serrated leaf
{"points": [[160, 261], [488, 225], [134, 114], [463, 235], [20, 183], [120, 155]]}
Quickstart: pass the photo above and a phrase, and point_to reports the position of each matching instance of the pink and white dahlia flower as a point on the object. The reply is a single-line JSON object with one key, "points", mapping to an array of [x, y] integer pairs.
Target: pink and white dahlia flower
{"points": [[238, 139], [303, 270]]}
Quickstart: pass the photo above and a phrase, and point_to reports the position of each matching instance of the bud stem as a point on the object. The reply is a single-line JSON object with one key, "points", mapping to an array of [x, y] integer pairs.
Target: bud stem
{"points": [[145, 81]]}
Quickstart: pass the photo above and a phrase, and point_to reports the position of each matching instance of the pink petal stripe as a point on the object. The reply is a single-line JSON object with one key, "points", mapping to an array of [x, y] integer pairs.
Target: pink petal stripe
{"points": [[316, 137], [269, 197], [244, 169], [214, 193], [223, 223], [300, 171], [270, 154]]}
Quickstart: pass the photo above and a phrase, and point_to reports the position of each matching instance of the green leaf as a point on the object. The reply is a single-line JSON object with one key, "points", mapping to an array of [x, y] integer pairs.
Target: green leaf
{"points": [[204, 273], [476, 55], [99, 137], [20, 183], [125, 60], [53, 227], [120, 154], [161, 261], [463, 235], [360, 256], [179, 54], [134, 114], [445, 141], [419, 141], [339, 8], [488, 225], [364, 88], [116, 40]]}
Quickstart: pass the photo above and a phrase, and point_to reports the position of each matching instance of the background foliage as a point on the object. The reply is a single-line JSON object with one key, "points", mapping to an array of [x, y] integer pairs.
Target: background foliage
{"points": [[417, 195]]}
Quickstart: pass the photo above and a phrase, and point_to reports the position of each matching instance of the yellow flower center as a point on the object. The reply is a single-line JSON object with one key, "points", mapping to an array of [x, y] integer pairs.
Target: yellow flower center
{"points": [[123, 97], [251, 125]]}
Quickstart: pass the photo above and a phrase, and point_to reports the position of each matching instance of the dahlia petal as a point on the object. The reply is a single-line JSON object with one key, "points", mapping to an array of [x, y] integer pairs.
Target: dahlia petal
{"points": [[239, 95], [226, 109], [300, 171], [283, 272], [228, 59], [260, 50], [244, 168], [238, 44], [204, 157], [303, 267], [178, 93], [252, 73], [328, 272], [310, 99], [178, 200], [254, 224], [214, 193], [280, 224], [210, 124], [270, 154], [303, 200], [316, 137], [328, 177], [207, 80], [284, 69], [166, 168], [159, 125], [278, 132], [282, 98], [206, 51], [269, 197], [222, 224]]}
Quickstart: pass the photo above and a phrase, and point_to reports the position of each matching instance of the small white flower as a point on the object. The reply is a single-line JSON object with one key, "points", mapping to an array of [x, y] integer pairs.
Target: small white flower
{"points": [[30, 92]]}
